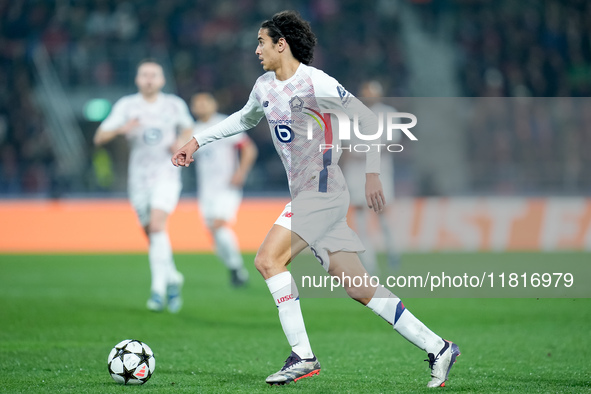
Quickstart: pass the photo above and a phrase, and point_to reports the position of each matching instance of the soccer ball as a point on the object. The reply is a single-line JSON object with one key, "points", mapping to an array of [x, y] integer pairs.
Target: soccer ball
{"points": [[131, 362]]}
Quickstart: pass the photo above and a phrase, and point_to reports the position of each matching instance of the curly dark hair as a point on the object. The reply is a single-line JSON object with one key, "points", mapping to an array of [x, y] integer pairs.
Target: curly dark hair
{"points": [[296, 31]]}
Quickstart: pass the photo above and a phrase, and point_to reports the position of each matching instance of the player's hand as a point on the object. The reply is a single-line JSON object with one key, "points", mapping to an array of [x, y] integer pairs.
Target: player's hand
{"points": [[184, 156], [374, 193]]}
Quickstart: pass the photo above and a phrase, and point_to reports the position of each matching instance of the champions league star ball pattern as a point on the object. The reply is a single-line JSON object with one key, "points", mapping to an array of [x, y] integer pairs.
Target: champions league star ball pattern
{"points": [[131, 362]]}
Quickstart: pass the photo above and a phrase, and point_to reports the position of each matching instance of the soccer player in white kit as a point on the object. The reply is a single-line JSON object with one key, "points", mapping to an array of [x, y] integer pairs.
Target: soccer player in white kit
{"points": [[286, 95], [222, 169], [151, 120], [352, 165]]}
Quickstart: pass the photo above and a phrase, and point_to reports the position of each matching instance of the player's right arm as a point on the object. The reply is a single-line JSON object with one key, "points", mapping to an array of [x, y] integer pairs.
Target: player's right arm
{"points": [[115, 124], [247, 118], [103, 136]]}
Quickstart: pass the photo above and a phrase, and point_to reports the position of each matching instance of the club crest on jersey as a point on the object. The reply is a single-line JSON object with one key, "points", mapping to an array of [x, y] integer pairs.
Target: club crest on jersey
{"points": [[152, 136], [296, 104], [265, 103]]}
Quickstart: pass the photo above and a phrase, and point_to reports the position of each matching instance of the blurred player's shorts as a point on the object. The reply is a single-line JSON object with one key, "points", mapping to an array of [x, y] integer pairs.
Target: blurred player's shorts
{"points": [[220, 205], [163, 195]]}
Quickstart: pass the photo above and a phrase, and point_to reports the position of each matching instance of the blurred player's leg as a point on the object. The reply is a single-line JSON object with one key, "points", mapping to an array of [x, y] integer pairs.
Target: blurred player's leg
{"points": [[166, 280], [140, 200], [226, 246], [158, 255], [382, 302], [388, 236], [277, 250], [219, 210], [368, 258]]}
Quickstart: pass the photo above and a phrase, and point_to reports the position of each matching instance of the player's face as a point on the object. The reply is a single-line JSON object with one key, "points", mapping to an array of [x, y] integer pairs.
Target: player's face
{"points": [[149, 78], [267, 51], [203, 106]]}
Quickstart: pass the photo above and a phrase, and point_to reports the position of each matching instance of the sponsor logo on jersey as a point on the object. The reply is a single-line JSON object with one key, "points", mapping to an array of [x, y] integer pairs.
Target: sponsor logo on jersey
{"points": [[344, 95], [288, 214], [342, 91], [281, 121], [284, 133], [152, 136]]}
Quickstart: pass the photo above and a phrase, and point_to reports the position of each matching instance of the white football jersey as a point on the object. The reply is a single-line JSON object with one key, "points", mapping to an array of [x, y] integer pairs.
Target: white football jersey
{"points": [[216, 163], [151, 142], [288, 106]]}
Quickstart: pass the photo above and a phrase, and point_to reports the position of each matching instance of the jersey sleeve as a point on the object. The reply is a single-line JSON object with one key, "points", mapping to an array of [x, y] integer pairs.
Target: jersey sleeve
{"points": [[332, 95], [117, 117], [247, 118], [184, 120]]}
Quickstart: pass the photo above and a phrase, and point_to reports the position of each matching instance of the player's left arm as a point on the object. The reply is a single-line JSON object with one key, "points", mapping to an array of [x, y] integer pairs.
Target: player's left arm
{"points": [[334, 95], [374, 192], [248, 155]]}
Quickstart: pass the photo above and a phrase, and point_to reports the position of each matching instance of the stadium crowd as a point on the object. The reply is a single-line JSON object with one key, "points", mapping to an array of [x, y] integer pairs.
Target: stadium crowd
{"points": [[520, 49], [538, 49]]}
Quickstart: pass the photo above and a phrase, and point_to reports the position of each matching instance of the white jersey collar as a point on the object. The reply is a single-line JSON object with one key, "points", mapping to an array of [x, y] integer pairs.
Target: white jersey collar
{"points": [[300, 67]]}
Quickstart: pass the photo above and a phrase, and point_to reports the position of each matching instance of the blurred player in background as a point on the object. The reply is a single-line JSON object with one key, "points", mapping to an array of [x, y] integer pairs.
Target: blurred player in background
{"points": [[353, 165], [222, 169], [319, 193], [151, 121]]}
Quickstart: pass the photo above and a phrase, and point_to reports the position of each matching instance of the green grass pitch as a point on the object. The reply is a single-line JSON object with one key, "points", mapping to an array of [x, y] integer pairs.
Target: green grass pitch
{"points": [[61, 315]]}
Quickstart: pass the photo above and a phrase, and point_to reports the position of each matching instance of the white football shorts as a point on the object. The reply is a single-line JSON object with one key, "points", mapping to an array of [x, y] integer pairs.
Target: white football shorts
{"points": [[320, 219]]}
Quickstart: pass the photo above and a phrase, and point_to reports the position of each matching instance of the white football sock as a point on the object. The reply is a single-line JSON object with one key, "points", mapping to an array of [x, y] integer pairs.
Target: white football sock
{"points": [[286, 296], [368, 258], [227, 249], [160, 255], [390, 308]]}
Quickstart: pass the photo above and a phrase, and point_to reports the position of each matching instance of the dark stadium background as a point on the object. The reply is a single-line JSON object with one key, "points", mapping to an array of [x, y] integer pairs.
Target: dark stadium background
{"points": [[56, 57]]}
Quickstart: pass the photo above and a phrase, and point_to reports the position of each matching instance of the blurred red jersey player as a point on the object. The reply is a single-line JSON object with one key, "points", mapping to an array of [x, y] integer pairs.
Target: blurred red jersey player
{"points": [[222, 169]]}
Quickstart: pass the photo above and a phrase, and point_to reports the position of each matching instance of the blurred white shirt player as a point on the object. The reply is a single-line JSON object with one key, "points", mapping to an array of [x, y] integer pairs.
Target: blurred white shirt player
{"points": [[151, 120], [222, 169], [353, 164]]}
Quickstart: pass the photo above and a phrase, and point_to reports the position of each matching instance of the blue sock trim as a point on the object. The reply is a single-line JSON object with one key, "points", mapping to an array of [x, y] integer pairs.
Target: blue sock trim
{"points": [[399, 309]]}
